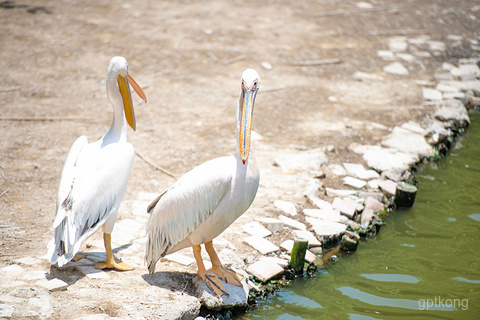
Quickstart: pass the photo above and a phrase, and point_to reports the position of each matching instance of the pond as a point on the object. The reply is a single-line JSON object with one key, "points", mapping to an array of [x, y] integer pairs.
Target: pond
{"points": [[424, 264]]}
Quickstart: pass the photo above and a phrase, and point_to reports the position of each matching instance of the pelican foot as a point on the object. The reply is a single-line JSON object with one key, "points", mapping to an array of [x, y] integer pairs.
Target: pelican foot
{"points": [[119, 266], [214, 283], [228, 276]]}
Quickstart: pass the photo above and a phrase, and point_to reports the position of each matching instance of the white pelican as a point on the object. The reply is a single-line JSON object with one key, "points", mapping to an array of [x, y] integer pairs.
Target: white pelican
{"points": [[95, 176], [207, 199]]}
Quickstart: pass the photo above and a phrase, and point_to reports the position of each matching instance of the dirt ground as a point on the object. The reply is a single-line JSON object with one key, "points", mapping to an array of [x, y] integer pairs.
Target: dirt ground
{"points": [[188, 56]]}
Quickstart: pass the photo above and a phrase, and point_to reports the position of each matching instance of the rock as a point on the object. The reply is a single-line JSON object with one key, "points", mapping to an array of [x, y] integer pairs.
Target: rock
{"points": [[265, 270], [352, 224], [346, 206], [301, 161], [272, 224], [8, 299], [294, 224], [374, 204], [337, 170], [453, 111], [436, 45], [364, 5], [359, 171], [376, 195], [354, 182], [285, 207], [13, 269], [396, 68], [260, 244], [92, 273], [54, 285], [281, 262], [465, 72], [348, 244], [309, 236], [267, 66], [431, 94], [35, 275], [406, 57], [256, 229], [180, 258], [230, 259], [325, 229], [386, 160], [339, 193], [407, 141], [311, 194], [447, 66], [386, 55], [287, 245], [310, 256], [413, 127], [464, 85], [397, 44], [373, 184], [388, 186], [319, 203], [444, 88], [237, 296], [6, 310], [329, 215], [367, 76], [367, 216], [27, 261]]}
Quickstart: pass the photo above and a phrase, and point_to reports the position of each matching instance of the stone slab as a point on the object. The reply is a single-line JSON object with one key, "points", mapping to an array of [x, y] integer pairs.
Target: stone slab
{"points": [[92, 273], [265, 270], [256, 229], [260, 244], [346, 206], [54, 285], [291, 223], [407, 141], [272, 224], [354, 182], [309, 236], [285, 207], [388, 186], [339, 192], [180, 258]]}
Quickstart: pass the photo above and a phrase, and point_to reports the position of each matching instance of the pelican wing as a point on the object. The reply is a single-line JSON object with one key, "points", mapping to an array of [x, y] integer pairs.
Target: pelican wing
{"points": [[94, 186], [177, 212]]}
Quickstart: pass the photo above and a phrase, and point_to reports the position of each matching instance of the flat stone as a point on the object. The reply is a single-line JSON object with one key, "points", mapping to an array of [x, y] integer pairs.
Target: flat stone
{"points": [[346, 206], [54, 285], [93, 273], [386, 159], [237, 296], [375, 195], [35, 275], [367, 76], [13, 269], [406, 57], [285, 207], [367, 216], [266, 65], [397, 44], [256, 229], [354, 182], [262, 245], [265, 270], [386, 55], [431, 94], [388, 186], [309, 236], [464, 85], [319, 203], [27, 261], [310, 256], [294, 224], [413, 127], [6, 310], [453, 111], [445, 88], [128, 231], [323, 228], [300, 161], [180, 258], [329, 215], [374, 204], [230, 259], [287, 245], [281, 262], [447, 66], [272, 224], [373, 184], [407, 141], [396, 68], [357, 170], [436, 45], [337, 169], [466, 72], [338, 193], [7, 299]]}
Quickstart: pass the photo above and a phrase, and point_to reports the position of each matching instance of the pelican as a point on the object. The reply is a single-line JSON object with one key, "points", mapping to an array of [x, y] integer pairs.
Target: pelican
{"points": [[207, 199], [95, 176]]}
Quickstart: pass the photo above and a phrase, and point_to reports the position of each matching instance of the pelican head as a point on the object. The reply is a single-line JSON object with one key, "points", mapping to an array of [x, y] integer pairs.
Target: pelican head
{"points": [[118, 71], [250, 86]]}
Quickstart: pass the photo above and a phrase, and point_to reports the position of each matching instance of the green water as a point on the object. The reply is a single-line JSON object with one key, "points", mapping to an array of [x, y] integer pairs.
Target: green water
{"points": [[424, 264]]}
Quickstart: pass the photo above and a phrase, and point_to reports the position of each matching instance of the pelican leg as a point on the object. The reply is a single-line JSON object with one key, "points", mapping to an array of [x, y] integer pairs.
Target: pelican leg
{"points": [[213, 282], [227, 275], [110, 263], [78, 256]]}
